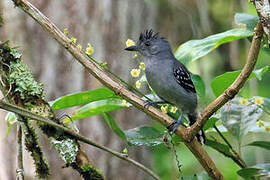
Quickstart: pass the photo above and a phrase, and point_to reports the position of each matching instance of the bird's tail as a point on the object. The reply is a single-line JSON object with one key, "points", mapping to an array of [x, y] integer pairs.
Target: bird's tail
{"points": [[200, 136]]}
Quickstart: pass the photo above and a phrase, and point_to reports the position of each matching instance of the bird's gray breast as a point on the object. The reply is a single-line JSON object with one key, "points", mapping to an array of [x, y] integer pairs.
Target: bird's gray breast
{"points": [[160, 77]]}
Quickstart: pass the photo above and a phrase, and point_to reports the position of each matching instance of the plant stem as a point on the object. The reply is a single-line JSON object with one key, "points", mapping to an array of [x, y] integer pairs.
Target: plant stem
{"points": [[239, 161], [20, 170]]}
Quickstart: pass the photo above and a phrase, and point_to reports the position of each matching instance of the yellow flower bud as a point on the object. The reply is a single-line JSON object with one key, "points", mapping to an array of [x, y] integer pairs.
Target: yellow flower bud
{"points": [[142, 66], [130, 42], [138, 84], [243, 101], [164, 109], [135, 56], [260, 123], [259, 101], [89, 50], [124, 103], [135, 72], [73, 40], [173, 109], [66, 31]]}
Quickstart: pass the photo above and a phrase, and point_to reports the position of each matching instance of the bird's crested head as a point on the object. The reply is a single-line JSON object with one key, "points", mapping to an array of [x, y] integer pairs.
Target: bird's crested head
{"points": [[150, 44]]}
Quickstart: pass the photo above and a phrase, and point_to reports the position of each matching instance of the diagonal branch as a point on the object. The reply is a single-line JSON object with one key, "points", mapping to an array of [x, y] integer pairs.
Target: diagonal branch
{"points": [[117, 87], [25, 113], [235, 87]]}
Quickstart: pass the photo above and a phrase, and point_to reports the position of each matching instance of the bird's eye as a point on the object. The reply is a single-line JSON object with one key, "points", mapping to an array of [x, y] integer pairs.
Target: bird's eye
{"points": [[147, 43]]}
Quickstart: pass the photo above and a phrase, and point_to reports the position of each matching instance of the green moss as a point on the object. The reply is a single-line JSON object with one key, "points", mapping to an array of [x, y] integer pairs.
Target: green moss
{"points": [[68, 149], [24, 82], [86, 167], [31, 144], [92, 174], [1, 20]]}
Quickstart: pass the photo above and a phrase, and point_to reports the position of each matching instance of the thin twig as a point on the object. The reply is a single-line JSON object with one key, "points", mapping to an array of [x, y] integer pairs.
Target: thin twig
{"points": [[98, 72], [19, 170], [29, 114], [239, 161]]}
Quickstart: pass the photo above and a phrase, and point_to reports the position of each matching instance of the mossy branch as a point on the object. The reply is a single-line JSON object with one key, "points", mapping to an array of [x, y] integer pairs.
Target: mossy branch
{"points": [[19, 87]]}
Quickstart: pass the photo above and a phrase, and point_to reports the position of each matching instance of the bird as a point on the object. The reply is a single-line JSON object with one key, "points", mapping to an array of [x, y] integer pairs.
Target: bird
{"points": [[168, 77]]}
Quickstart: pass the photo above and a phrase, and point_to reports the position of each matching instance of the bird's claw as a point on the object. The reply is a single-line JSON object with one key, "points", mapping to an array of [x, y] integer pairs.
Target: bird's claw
{"points": [[149, 103], [173, 126]]}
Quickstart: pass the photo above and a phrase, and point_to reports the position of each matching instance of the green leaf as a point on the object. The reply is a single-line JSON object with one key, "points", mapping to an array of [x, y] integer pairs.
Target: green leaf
{"points": [[194, 49], [144, 136], [238, 118], [199, 85], [125, 151], [248, 172], [112, 124], [210, 123], [248, 20], [220, 83], [259, 170], [82, 98], [96, 108], [222, 148], [262, 144], [11, 119]]}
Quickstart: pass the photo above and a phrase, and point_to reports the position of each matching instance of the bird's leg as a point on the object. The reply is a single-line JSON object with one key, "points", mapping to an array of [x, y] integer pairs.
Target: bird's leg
{"points": [[174, 125], [154, 103]]}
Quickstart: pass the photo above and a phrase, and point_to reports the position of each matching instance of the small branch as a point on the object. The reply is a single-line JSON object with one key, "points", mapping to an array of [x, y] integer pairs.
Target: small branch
{"points": [[117, 87], [237, 158], [231, 91], [20, 170], [25, 113]]}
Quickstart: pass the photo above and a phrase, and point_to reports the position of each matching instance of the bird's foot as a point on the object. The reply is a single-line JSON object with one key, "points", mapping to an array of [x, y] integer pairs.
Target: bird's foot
{"points": [[175, 124]]}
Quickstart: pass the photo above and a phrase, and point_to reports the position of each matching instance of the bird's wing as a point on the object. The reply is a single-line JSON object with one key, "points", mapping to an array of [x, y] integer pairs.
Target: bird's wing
{"points": [[183, 77]]}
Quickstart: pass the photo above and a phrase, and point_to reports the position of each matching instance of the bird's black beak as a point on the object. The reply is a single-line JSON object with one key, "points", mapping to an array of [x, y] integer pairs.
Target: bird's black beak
{"points": [[132, 48]]}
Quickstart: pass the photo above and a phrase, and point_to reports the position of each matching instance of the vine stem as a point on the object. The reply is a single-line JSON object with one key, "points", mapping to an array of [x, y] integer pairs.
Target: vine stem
{"points": [[19, 170], [238, 160], [23, 112]]}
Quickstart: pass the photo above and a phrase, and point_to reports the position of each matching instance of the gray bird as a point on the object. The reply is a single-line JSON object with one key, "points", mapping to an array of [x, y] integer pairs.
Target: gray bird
{"points": [[168, 77]]}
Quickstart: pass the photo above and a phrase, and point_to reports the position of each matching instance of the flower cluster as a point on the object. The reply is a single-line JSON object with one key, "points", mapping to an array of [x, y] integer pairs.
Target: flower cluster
{"points": [[136, 72], [89, 50]]}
